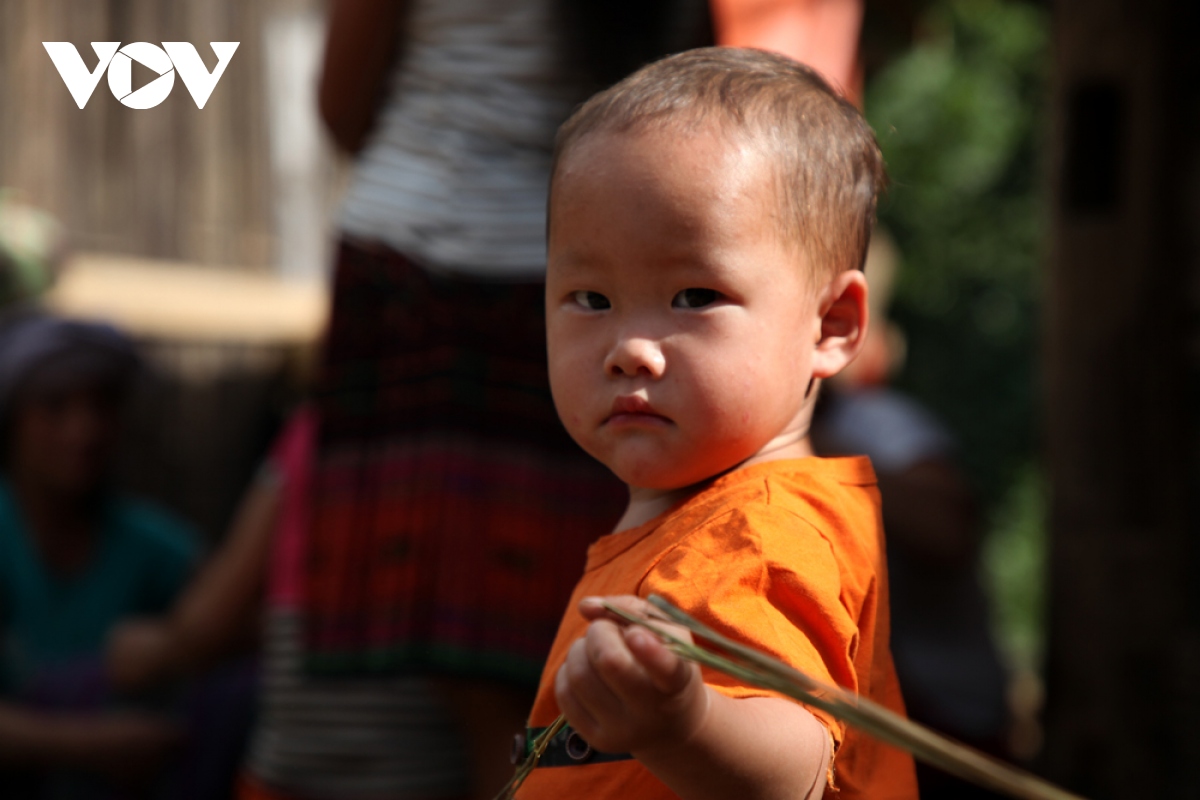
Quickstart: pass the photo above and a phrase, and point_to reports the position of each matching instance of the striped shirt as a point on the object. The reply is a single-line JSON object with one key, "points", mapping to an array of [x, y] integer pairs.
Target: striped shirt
{"points": [[455, 172], [349, 737]]}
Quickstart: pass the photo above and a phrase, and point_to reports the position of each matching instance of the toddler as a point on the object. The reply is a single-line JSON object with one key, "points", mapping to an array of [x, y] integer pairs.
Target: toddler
{"points": [[708, 221]]}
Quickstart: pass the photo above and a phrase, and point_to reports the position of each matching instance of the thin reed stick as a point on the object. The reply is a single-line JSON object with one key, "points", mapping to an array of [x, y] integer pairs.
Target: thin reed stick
{"points": [[537, 747], [759, 669]]}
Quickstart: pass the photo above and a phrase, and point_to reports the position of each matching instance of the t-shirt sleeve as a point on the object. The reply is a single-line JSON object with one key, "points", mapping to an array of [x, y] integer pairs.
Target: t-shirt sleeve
{"points": [[764, 577]]}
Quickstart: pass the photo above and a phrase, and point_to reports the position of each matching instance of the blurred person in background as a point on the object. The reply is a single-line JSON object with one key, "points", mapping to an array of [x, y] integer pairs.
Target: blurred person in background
{"points": [[75, 559], [449, 512], [824, 34], [947, 661]]}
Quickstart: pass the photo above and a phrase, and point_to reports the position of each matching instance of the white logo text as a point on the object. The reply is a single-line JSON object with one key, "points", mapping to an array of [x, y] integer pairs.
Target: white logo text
{"points": [[164, 61]]}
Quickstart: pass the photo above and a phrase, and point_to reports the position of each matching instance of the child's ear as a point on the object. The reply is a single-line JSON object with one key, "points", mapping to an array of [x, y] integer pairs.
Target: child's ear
{"points": [[842, 307]]}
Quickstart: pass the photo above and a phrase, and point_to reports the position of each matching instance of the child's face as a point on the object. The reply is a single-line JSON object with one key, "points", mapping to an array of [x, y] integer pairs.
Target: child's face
{"points": [[681, 327]]}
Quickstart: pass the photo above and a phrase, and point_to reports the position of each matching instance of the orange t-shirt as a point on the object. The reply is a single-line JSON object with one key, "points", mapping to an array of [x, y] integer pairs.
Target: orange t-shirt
{"points": [[786, 556]]}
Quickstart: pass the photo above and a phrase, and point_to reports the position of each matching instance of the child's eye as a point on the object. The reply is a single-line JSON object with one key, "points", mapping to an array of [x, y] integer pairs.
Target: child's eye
{"points": [[695, 298], [593, 301]]}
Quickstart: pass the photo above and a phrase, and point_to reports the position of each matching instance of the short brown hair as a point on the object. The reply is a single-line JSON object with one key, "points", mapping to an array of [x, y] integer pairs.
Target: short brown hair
{"points": [[827, 164]]}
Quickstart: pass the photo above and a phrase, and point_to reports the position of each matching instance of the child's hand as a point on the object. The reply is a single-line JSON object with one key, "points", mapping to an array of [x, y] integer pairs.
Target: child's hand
{"points": [[623, 690]]}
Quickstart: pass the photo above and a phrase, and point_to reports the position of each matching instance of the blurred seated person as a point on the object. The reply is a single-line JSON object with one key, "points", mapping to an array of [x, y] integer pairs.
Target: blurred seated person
{"points": [[946, 660], [75, 559], [309, 728]]}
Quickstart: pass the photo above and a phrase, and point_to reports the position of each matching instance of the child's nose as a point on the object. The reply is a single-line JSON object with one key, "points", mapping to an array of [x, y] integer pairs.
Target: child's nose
{"points": [[636, 356]]}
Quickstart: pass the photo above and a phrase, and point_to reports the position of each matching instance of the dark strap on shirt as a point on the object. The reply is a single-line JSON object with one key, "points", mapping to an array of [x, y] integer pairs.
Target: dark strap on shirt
{"points": [[566, 749]]}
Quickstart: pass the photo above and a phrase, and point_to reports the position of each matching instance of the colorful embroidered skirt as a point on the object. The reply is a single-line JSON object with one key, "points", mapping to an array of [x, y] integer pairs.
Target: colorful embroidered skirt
{"points": [[451, 511]]}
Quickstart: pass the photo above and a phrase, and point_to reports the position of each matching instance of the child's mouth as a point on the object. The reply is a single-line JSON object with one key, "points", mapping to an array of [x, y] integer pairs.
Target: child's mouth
{"points": [[634, 410]]}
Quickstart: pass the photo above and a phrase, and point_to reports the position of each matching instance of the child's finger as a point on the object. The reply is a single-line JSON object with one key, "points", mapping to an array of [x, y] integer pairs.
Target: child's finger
{"points": [[588, 685], [575, 711], [609, 656], [593, 608], [668, 672]]}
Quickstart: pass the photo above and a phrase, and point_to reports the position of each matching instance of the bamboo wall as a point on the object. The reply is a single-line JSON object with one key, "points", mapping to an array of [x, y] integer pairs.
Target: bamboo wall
{"points": [[172, 182]]}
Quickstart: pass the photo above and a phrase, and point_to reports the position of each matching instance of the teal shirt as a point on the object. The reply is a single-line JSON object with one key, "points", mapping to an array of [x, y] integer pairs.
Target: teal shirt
{"points": [[142, 560]]}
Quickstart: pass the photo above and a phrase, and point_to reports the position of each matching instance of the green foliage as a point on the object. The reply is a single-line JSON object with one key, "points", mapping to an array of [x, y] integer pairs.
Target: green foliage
{"points": [[1014, 567], [959, 118]]}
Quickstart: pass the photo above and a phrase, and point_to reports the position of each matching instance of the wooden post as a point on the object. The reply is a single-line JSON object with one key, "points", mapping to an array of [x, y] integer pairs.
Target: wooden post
{"points": [[1121, 368]]}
